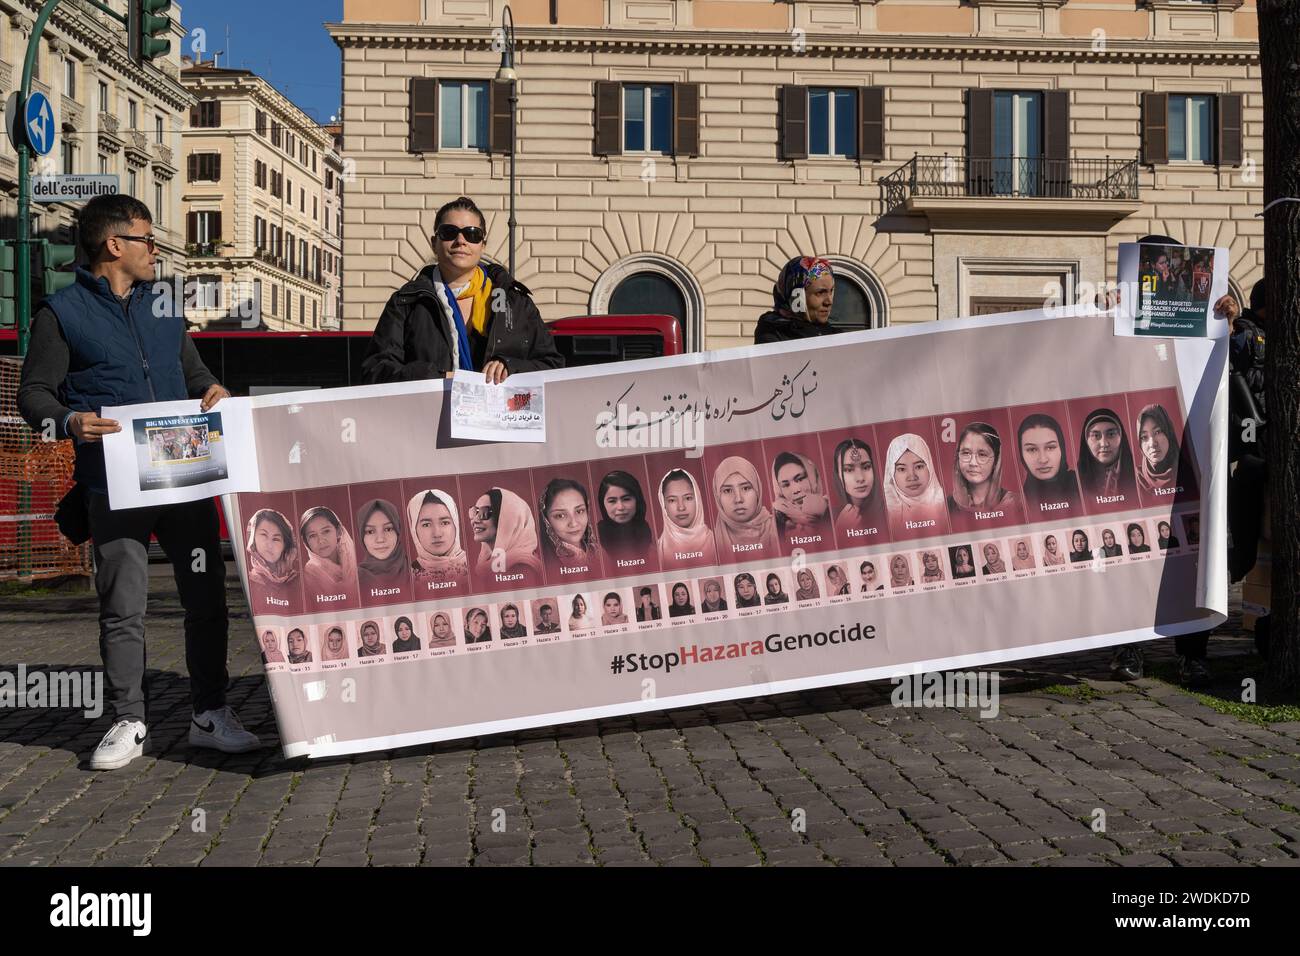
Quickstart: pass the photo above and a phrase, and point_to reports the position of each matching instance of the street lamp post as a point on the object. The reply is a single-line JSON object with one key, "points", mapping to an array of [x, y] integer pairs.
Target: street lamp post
{"points": [[506, 74]]}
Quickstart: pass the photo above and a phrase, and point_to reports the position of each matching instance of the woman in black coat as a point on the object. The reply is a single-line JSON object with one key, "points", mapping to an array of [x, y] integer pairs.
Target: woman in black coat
{"points": [[452, 315]]}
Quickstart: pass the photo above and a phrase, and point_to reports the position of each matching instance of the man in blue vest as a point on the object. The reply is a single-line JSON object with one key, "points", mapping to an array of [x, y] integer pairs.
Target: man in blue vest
{"points": [[107, 340]]}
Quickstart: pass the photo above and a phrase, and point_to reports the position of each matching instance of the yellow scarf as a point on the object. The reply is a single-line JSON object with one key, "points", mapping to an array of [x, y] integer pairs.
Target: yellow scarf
{"points": [[480, 291]]}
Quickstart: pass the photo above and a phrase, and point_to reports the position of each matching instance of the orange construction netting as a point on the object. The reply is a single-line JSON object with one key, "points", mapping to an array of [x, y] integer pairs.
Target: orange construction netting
{"points": [[34, 476]]}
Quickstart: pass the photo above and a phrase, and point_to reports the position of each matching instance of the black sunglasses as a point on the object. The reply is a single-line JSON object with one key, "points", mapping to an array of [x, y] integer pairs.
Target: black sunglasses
{"points": [[448, 233], [151, 239]]}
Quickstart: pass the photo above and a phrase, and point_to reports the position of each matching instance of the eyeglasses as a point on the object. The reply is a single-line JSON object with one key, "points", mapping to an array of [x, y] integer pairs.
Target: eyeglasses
{"points": [[982, 456], [481, 514], [448, 233], [151, 239]]}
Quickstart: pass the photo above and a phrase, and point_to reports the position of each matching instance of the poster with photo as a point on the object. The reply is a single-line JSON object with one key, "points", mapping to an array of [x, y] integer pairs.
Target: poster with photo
{"points": [[1170, 291]]}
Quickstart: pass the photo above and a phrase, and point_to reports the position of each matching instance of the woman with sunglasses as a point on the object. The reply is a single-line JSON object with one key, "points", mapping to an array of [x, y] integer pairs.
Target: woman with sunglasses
{"points": [[454, 315]]}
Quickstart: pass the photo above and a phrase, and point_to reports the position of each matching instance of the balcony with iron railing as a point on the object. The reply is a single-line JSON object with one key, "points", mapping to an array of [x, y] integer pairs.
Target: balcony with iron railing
{"points": [[1035, 188]]}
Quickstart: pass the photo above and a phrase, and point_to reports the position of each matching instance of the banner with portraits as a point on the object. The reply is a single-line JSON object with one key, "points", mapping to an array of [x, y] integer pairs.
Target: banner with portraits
{"points": [[731, 524]]}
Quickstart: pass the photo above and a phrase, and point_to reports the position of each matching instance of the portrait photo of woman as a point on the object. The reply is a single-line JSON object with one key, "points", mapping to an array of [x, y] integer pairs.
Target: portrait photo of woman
{"points": [[1137, 539], [993, 561], [713, 601], [687, 539], [624, 532], [370, 645], [837, 582], [579, 619], [441, 633], [404, 639], [385, 564], [745, 527], [931, 568], [512, 625], [477, 628], [681, 604], [1105, 460], [1050, 485], [272, 554], [807, 589], [612, 612], [503, 527], [1080, 547], [962, 565], [802, 509], [977, 473], [299, 646], [271, 653], [1158, 459], [1165, 536], [568, 533], [861, 500], [1052, 554], [900, 572], [914, 498], [1110, 548], [775, 590], [870, 577], [1022, 555], [331, 567], [747, 591], [334, 646], [434, 524]]}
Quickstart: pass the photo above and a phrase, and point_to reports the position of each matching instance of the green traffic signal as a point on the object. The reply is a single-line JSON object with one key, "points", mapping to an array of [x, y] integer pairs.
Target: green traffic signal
{"points": [[147, 28], [8, 286], [54, 256], [154, 26]]}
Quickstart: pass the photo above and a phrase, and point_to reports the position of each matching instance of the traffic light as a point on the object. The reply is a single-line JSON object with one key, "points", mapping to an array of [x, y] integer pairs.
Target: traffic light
{"points": [[8, 308], [147, 28], [54, 257]]}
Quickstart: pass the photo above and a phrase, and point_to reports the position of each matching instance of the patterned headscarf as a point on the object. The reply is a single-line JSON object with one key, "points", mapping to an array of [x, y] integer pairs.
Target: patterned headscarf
{"points": [[798, 273]]}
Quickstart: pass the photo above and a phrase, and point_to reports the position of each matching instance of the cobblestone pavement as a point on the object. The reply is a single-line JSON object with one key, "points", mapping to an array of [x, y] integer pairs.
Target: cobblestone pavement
{"points": [[724, 785]]}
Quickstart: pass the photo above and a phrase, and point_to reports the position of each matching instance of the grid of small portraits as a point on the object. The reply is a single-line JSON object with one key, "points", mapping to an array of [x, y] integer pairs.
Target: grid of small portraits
{"points": [[405, 633], [566, 528]]}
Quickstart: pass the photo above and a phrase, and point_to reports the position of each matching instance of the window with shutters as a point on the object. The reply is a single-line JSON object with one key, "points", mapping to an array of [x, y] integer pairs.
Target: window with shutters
{"points": [[205, 167], [204, 115], [70, 77], [132, 183], [207, 292], [648, 118], [206, 227], [159, 205], [1017, 143], [259, 233], [463, 123], [1191, 129], [329, 179], [159, 129], [275, 299], [276, 131], [261, 123], [133, 115], [832, 123], [103, 97]]}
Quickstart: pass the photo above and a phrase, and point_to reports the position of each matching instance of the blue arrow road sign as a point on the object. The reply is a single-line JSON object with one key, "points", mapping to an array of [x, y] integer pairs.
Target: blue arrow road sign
{"points": [[38, 120]]}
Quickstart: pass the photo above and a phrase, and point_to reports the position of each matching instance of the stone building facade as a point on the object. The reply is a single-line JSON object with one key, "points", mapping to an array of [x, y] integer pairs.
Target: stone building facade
{"points": [[951, 157], [255, 168], [113, 118]]}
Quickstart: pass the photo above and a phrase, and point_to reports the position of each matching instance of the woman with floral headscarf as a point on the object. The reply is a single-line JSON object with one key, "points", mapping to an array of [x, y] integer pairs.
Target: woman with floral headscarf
{"points": [[802, 300], [912, 490], [742, 519], [434, 527]]}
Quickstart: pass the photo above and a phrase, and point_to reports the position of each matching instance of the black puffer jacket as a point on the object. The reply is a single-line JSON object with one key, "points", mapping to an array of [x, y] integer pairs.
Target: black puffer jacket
{"points": [[773, 328], [412, 340], [1246, 387]]}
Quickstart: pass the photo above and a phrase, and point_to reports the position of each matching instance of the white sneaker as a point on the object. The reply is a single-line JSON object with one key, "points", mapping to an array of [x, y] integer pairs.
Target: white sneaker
{"points": [[122, 744], [221, 730]]}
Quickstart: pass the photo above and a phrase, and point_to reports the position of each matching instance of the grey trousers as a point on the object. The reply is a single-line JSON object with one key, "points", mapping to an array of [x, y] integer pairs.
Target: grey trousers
{"points": [[190, 536]]}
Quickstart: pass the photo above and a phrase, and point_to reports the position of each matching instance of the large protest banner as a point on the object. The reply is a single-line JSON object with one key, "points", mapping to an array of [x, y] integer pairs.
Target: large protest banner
{"points": [[731, 524]]}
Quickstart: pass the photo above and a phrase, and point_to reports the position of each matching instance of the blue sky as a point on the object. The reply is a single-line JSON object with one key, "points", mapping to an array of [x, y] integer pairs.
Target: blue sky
{"points": [[283, 41]]}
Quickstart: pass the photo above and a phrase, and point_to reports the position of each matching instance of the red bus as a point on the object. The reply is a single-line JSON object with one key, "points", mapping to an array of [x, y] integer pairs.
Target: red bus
{"points": [[251, 362]]}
